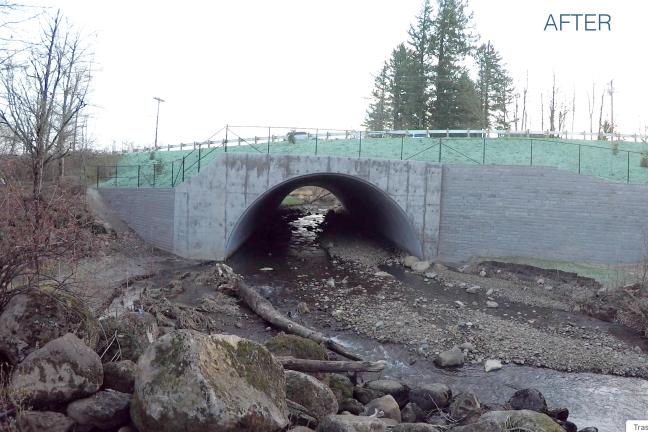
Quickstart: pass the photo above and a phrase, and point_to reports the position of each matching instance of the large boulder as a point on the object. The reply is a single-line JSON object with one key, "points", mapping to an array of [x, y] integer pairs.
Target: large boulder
{"points": [[352, 406], [365, 394], [465, 408], [64, 369], [391, 387], [299, 347], [527, 420], [430, 397], [528, 399], [384, 407], [310, 393], [412, 413], [480, 426], [342, 386], [43, 421], [194, 382], [120, 376], [450, 358], [135, 331], [105, 410], [32, 319], [351, 423]]}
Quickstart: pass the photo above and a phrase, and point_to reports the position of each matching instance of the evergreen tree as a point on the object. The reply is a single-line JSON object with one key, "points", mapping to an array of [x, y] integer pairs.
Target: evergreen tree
{"points": [[379, 112], [468, 103], [402, 88], [421, 37], [453, 41], [495, 88]]}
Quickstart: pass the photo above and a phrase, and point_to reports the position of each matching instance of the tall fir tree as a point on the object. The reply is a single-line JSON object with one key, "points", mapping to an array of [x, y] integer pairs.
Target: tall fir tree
{"points": [[453, 41], [421, 38], [402, 83], [379, 113], [468, 103], [495, 87]]}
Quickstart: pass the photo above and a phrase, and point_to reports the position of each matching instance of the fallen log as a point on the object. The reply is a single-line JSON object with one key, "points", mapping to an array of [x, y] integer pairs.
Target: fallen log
{"points": [[304, 365], [265, 310]]}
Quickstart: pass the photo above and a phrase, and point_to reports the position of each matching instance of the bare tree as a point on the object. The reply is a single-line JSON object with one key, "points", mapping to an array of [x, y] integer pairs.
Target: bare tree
{"points": [[552, 105], [524, 99], [573, 109], [43, 92], [600, 124]]}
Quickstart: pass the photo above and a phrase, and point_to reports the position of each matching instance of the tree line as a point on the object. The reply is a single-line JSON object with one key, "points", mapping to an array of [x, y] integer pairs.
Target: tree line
{"points": [[426, 82]]}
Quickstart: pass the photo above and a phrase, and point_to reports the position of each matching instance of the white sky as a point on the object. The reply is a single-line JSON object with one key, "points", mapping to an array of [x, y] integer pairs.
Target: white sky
{"points": [[311, 63]]}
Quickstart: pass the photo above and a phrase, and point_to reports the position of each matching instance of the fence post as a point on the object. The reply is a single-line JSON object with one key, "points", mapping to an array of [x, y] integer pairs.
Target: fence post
{"points": [[316, 135], [226, 130], [172, 175], [628, 167], [447, 133], [402, 143], [198, 158], [440, 144], [483, 150], [360, 145], [531, 152], [269, 140], [183, 167], [116, 175], [138, 175], [97, 176], [346, 134], [154, 165], [579, 158]]}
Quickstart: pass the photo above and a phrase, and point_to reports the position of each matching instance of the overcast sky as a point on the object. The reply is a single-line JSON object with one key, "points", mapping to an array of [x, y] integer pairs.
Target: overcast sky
{"points": [[310, 63]]}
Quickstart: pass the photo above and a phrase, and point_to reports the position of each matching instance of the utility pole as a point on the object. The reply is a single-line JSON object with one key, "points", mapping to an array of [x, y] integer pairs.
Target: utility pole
{"points": [[611, 92], [157, 119]]}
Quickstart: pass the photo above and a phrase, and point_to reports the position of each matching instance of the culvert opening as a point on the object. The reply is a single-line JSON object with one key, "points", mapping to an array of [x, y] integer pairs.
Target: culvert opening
{"points": [[305, 214]]}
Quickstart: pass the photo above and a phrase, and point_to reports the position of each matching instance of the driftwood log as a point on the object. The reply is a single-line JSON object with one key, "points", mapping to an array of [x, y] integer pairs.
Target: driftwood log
{"points": [[303, 365], [265, 310]]}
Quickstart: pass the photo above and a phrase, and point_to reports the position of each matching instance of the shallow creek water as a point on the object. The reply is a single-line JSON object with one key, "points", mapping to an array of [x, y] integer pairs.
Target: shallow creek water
{"points": [[604, 401]]}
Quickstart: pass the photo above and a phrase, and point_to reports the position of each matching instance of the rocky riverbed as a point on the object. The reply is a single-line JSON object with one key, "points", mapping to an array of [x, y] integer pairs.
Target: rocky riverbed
{"points": [[494, 348]]}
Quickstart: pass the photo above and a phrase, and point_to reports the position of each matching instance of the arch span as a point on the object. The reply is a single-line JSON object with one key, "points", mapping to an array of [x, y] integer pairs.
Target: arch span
{"points": [[361, 198]]}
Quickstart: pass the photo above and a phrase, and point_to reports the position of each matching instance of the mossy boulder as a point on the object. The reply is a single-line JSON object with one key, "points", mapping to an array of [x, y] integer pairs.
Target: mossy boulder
{"points": [[295, 346], [341, 386], [310, 393], [64, 369], [104, 410], [527, 420], [194, 382], [32, 319]]}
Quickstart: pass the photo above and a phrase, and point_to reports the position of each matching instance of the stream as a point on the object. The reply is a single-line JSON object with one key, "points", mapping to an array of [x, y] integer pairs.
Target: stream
{"points": [[292, 249]]}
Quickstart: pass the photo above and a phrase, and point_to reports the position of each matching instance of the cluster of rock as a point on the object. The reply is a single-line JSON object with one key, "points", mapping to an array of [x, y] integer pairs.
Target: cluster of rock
{"points": [[192, 381]]}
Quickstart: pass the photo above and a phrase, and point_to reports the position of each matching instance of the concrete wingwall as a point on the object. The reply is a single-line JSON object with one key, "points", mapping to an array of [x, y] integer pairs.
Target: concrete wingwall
{"points": [[450, 212]]}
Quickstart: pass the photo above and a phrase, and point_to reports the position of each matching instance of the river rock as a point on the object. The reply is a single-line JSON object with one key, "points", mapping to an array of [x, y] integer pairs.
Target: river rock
{"points": [[491, 304], [120, 376], [431, 396], [351, 423], [409, 261], [300, 429], [391, 387], [589, 429], [135, 332], [421, 266], [528, 399], [63, 370], [32, 319], [412, 413], [415, 427], [295, 346], [384, 407], [351, 405], [366, 395], [450, 358], [491, 365], [310, 393], [194, 382], [465, 408], [104, 410], [473, 289], [341, 386], [480, 426], [43, 421], [530, 421], [561, 414]]}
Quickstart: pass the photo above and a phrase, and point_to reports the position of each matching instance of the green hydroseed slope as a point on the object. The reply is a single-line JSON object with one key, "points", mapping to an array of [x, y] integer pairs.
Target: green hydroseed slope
{"points": [[596, 158]]}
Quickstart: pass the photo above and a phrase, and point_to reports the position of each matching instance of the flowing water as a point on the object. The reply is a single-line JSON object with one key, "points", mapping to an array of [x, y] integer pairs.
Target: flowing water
{"points": [[604, 401]]}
